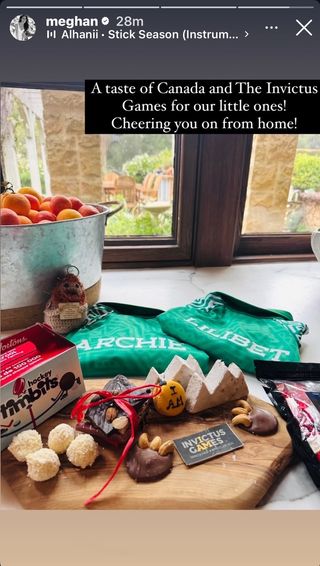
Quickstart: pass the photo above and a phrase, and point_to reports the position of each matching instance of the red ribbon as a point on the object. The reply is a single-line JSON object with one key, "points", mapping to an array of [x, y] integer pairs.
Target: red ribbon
{"points": [[120, 399]]}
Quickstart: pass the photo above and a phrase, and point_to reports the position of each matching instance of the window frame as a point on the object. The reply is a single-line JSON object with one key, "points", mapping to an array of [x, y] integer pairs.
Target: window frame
{"points": [[286, 246], [223, 165], [219, 242], [268, 246], [158, 251]]}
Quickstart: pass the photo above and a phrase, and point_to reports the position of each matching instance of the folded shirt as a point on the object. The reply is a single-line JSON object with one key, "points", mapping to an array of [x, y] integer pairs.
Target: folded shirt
{"points": [[129, 340]]}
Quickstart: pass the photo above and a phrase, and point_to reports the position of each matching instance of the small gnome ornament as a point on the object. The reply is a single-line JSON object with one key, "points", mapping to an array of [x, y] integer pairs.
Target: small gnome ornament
{"points": [[67, 307]]}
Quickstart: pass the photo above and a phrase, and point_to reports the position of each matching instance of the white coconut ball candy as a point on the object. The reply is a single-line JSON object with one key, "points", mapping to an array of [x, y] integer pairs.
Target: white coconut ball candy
{"points": [[60, 437], [82, 451], [25, 443], [43, 464]]}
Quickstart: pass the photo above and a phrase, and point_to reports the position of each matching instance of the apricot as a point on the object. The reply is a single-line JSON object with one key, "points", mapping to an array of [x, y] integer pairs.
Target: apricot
{"points": [[76, 202], [58, 203], [8, 216], [3, 195], [88, 210], [24, 219], [68, 214], [31, 191], [32, 215], [46, 205], [34, 202], [44, 215], [47, 199], [16, 202]]}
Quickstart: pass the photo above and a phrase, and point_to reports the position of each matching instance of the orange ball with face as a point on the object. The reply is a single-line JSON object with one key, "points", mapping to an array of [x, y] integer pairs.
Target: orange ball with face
{"points": [[171, 400]]}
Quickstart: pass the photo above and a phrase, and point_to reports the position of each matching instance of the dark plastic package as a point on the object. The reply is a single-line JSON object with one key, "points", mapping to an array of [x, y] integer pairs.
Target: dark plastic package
{"points": [[294, 389]]}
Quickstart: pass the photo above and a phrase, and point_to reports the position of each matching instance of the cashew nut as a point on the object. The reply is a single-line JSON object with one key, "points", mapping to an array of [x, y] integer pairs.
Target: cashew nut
{"points": [[242, 420], [156, 443], [243, 403], [166, 448], [239, 411], [143, 441]]}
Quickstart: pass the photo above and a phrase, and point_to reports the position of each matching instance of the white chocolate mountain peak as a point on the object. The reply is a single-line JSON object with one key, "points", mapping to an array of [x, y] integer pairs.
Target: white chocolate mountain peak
{"points": [[222, 384], [181, 370], [153, 377], [178, 370]]}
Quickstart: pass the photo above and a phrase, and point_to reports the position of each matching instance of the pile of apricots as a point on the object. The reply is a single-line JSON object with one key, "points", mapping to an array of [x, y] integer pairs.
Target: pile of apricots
{"points": [[27, 206]]}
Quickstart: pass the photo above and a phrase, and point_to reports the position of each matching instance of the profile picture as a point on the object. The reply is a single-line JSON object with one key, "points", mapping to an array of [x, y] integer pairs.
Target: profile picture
{"points": [[22, 27]]}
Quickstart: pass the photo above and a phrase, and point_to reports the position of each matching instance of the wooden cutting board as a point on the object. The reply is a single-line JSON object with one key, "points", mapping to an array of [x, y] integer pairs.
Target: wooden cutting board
{"points": [[237, 480]]}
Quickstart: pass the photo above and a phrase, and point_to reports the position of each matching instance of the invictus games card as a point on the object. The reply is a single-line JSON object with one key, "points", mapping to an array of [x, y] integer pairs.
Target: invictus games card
{"points": [[207, 444]]}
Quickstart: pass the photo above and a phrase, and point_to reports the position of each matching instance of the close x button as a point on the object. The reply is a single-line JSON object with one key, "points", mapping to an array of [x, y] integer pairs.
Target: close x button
{"points": [[304, 27]]}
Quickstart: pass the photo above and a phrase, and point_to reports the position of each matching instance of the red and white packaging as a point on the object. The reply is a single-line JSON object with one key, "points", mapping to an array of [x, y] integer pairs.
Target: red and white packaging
{"points": [[40, 374]]}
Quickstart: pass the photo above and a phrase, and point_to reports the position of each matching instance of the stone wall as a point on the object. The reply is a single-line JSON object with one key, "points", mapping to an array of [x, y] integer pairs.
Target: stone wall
{"points": [[269, 182], [75, 160]]}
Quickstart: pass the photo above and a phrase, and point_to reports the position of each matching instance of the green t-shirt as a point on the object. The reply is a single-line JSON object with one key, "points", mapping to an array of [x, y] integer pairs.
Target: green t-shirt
{"points": [[234, 331], [128, 340]]}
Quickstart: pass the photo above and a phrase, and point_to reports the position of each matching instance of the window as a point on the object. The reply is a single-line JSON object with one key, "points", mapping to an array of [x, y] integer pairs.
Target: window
{"points": [[138, 171], [187, 199], [281, 204], [153, 176], [283, 185], [23, 139], [177, 247]]}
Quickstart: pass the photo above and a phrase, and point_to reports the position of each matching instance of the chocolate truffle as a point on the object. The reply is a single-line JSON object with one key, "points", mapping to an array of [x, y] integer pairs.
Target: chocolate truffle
{"points": [[60, 437], [25, 443], [83, 451], [43, 464]]}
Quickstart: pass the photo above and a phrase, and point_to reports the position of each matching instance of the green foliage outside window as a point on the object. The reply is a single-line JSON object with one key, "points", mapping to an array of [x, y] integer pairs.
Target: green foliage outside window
{"points": [[143, 164], [145, 223], [126, 147], [306, 172]]}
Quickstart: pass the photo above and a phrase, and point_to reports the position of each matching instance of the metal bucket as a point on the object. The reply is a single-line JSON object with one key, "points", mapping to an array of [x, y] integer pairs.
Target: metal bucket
{"points": [[34, 255]]}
